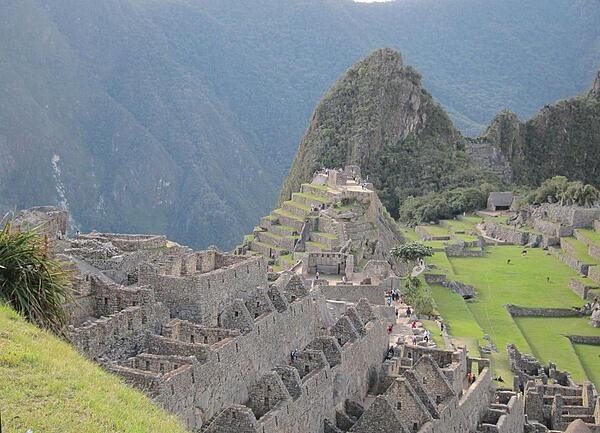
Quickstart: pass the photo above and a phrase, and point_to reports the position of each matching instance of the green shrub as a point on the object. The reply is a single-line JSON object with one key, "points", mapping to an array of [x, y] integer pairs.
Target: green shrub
{"points": [[31, 281]]}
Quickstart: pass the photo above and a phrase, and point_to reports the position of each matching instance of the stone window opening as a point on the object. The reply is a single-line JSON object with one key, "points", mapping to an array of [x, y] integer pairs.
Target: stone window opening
{"points": [[234, 274], [134, 303], [276, 422], [306, 368], [175, 366], [144, 320], [424, 379], [236, 313], [162, 368], [438, 399], [258, 303], [193, 378], [106, 302], [256, 315], [172, 390], [268, 387], [266, 401], [192, 338], [208, 281], [415, 427], [237, 348], [399, 405], [147, 365]]}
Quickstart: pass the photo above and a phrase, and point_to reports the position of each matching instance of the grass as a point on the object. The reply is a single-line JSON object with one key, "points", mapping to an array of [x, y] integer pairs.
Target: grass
{"points": [[48, 387], [309, 196], [460, 225], [326, 235], [523, 282], [592, 235], [297, 205], [318, 245], [437, 230], [287, 214], [580, 250], [590, 359], [558, 348]]}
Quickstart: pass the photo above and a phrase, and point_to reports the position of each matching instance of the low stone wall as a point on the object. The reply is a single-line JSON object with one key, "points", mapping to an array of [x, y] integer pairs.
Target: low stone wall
{"points": [[516, 311], [351, 293], [435, 278], [594, 251], [575, 264], [511, 235], [585, 339], [582, 289]]}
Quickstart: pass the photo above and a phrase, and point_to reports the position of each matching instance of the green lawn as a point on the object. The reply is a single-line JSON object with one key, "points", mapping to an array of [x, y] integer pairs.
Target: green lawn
{"points": [[457, 316], [590, 358], [523, 282], [437, 230], [546, 337], [48, 387], [461, 225]]}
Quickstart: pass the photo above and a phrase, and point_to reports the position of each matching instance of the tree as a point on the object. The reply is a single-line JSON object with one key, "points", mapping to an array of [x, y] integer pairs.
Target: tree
{"points": [[419, 296], [31, 281], [411, 252]]}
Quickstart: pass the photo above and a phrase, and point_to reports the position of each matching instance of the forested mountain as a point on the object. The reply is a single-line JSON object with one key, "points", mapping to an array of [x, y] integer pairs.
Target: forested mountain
{"points": [[182, 116], [561, 139]]}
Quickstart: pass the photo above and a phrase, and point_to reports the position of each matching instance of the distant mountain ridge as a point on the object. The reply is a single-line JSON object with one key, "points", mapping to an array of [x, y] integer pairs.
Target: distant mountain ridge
{"points": [[182, 116]]}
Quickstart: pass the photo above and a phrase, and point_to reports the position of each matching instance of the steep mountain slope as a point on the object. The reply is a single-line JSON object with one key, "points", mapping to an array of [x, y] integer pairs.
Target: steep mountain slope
{"points": [[182, 116], [378, 116], [47, 386], [562, 139]]}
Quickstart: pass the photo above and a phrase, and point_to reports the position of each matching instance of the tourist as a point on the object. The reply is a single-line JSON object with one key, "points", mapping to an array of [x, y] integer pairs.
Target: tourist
{"points": [[390, 353], [344, 279], [508, 261], [414, 324], [441, 326], [408, 312], [548, 279], [317, 275], [390, 328], [414, 340]]}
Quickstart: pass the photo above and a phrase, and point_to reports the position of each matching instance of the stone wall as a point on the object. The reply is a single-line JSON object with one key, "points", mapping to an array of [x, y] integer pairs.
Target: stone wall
{"points": [[518, 311], [354, 293], [475, 401], [570, 261], [510, 235], [202, 297]]}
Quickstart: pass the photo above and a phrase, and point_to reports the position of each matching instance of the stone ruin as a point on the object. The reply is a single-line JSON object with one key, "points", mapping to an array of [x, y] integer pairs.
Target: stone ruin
{"points": [[207, 337], [553, 401]]}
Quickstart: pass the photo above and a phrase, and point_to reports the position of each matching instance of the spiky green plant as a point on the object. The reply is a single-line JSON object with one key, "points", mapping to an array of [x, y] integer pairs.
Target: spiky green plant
{"points": [[31, 280]]}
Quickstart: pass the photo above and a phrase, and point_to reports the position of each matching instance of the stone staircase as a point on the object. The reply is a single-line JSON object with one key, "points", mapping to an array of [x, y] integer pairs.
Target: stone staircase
{"points": [[278, 234]]}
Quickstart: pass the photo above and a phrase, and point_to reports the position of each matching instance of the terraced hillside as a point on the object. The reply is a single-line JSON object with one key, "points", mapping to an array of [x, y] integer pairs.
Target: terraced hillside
{"points": [[326, 215], [532, 278]]}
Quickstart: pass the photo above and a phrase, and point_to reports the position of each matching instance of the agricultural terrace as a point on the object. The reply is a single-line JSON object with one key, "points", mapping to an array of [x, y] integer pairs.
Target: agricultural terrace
{"points": [[535, 279]]}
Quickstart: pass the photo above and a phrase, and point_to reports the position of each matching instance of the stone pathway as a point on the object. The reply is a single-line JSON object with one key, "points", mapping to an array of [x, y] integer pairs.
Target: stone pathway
{"points": [[402, 332]]}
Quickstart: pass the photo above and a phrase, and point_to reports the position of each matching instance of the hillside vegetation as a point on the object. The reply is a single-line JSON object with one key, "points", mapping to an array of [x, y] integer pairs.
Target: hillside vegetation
{"points": [[183, 116], [48, 387]]}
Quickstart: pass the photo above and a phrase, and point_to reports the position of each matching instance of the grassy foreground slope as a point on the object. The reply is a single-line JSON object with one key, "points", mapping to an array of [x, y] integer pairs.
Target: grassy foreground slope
{"points": [[48, 387]]}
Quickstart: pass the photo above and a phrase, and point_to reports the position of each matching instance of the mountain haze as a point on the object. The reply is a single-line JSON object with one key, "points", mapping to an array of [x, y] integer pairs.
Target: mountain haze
{"points": [[182, 116]]}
